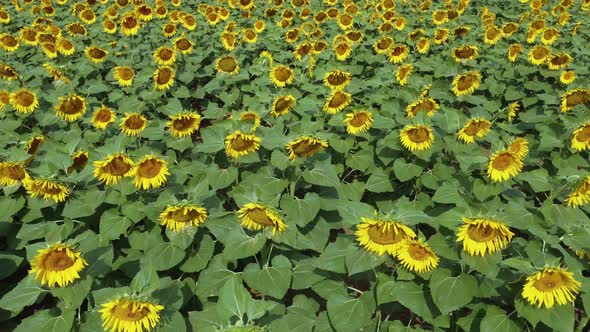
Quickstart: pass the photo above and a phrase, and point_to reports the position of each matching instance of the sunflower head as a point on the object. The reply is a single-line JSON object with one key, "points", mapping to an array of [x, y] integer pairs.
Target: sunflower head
{"points": [[57, 265], [305, 146], [358, 122], [71, 108], [79, 161], [503, 165], [180, 217], [256, 216], [282, 76], [474, 128], [133, 124], [417, 137], [549, 286], [127, 314], [512, 109], [164, 78], [239, 144], [426, 105], [519, 147], [539, 54], [7, 73], [417, 256], [581, 137], [183, 45], [227, 64], [483, 236], [165, 56], [381, 237], [398, 53], [46, 189], [403, 73], [184, 124], [150, 172], [567, 77], [559, 61], [12, 173], [382, 45], [102, 117], [282, 105], [124, 75], [113, 168], [581, 195], [466, 84], [572, 98], [465, 52], [337, 79], [24, 101], [96, 54]]}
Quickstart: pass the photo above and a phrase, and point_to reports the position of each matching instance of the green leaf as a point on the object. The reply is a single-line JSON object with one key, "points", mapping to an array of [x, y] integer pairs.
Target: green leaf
{"points": [[49, 320], [23, 294], [361, 260], [234, 298], [113, 225], [448, 193], [165, 255], [323, 174], [409, 294], [8, 264], [334, 256], [271, 280], [497, 320], [405, 171], [451, 293], [538, 179], [350, 314], [73, 295], [172, 322], [221, 178], [379, 182], [301, 211], [146, 279], [559, 317], [200, 256]]}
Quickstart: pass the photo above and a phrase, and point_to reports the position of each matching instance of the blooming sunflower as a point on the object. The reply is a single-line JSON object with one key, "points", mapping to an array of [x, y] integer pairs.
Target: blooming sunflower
{"points": [[358, 122], [169, 30], [133, 124], [150, 172], [57, 265], [567, 77], [549, 36], [46, 189], [337, 79], [8, 42], [95, 54], [549, 286], [113, 168], [559, 61], [514, 51], [7, 73], [239, 144], [256, 216], [129, 315], [403, 73], [398, 53], [512, 109], [439, 17], [29, 36], [465, 84], [427, 105], [65, 47], [24, 101], [465, 52], [503, 165], [124, 75], [492, 34], [282, 105], [79, 161], [461, 31], [539, 54], [417, 256], [305, 146], [423, 45], [87, 16], [184, 124], [4, 99], [11, 173], [179, 217], [164, 78], [249, 36], [165, 56], [282, 76], [102, 117], [417, 137], [129, 24], [337, 101], [483, 236], [382, 45], [509, 28], [227, 64], [71, 108], [477, 127], [228, 40], [519, 147], [440, 36], [572, 98], [183, 45], [581, 195], [342, 50], [380, 236], [581, 137]]}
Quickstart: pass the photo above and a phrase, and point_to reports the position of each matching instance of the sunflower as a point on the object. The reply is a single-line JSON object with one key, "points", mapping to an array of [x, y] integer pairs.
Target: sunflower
{"points": [[7, 73], [509, 28], [337, 101], [345, 21], [124, 75], [465, 84], [165, 56], [423, 104], [169, 30], [439, 17], [581, 195], [358, 122], [87, 16], [65, 47], [483, 236], [572, 98], [8, 42], [164, 77], [129, 315], [71, 108], [246, 4], [417, 256], [549, 36], [46, 189], [581, 137], [282, 105], [512, 109], [4, 99], [477, 127], [503, 165], [398, 53], [268, 56], [440, 36], [519, 147], [355, 36], [113, 168], [49, 50], [179, 217], [465, 52], [305, 146], [382, 45], [461, 31], [188, 21], [57, 265], [551, 285], [12, 173], [29, 36], [423, 45], [302, 50], [144, 13], [183, 45], [514, 51], [249, 36], [34, 143], [133, 124], [102, 117], [256, 216], [253, 117], [381, 236], [4, 16], [239, 144], [24, 101], [337, 79], [79, 161], [57, 74], [403, 73], [417, 137], [539, 54], [282, 76], [150, 172], [227, 64], [95, 54], [492, 34], [567, 77], [184, 124], [129, 24], [343, 50], [559, 61], [228, 40]]}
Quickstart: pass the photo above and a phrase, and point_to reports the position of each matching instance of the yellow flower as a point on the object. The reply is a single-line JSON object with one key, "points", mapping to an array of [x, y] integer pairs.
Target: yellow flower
{"points": [[403, 73], [188, 21], [183, 45], [581, 137], [567, 77], [55, 73], [465, 52], [440, 36], [345, 21], [512, 110], [24, 101], [581, 195], [358, 122], [65, 47], [337, 79], [87, 16], [113, 168], [492, 34], [539, 54], [246, 4], [150, 172], [164, 78], [343, 50], [165, 56], [573, 98], [57, 265], [559, 61], [282, 76], [305, 146], [380, 236], [549, 286], [169, 30], [79, 161], [124, 75], [7, 73], [12, 173], [461, 31], [76, 29], [514, 51], [184, 124], [417, 137], [133, 124], [519, 147], [483, 236], [177, 218], [251, 116], [427, 105], [34, 143], [227, 64], [382, 45], [249, 36], [71, 108], [354, 36], [128, 315], [4, 99], [46, 189], [337, 101], [8, 42], [144, 13], [129, 24], [102, 117], [465, 84], [477, 127], [239, 144], [398, 53], [509, 28], [256, 216], [282, 105], [228, 40], [417, 256], [549, 36], [439, 17], [503, 165], [96, 54], [423, 45]]}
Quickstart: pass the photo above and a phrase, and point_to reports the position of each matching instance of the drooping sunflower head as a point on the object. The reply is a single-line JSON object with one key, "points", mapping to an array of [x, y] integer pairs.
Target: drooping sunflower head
{"points": [[165, 56], [581, 195], [79, 161], [539, 54], [228, 40], [180, 217], [426, 105], [581, 137], [8, 42], [127, 314], [302, 50], [465, 52], [417, 256], [34, 143], [184, 124], [358, 122], [559, 61], [150, 172], [183, 45], [239, 144], [567, 77], [65, 46], [461, 31], [24, 101], [57, 265], [342, 50], [403, 73], [474, 128], [466, 84], [572, 98], [71, 108], [124, 75], [256, 216], [282, 105], [549, 36], [417, 137], [4, 99], [46, 189], [227, 64], [483, 236], [492, 34], [133, 124], [549, 286], [96, 54], [503, 165], [129, 24], [423, 45], [102, 117], [7, 73], [305, 146], [251, 117], [282, 76], [512, 110], [398, 53], [382, 45], [12, 173], [113, 168], [337, 101], [441, 35], [381, 237], [514, 51], [164, 77], [337, 79]]}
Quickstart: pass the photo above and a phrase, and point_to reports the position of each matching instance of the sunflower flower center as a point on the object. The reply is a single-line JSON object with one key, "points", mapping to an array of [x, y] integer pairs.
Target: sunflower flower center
{"points": [[481, 233], [418, 135], [227, 64], [465, 82], [57, 260], [503, 161], [472, 129], [337, 78], [126, 312], [25, 99], [183, 44], [164, 75], [183, 123], [583, 135], [125, 73], [383, 236], [282, 74], [165, 54], [418, 252], [337, 100], [259, 216], [134, 122], [540, 53], [359, 119], [129, 22], [241, 144], [150, 168], [180, 215], [9, 41], [97, 53], [576, 98], [72, 106], [14, 172], [549, 282], [103, 116]]}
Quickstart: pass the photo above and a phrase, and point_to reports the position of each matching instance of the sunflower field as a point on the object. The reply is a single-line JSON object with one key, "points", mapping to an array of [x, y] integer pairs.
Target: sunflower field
{"points": [[294, 165]]}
